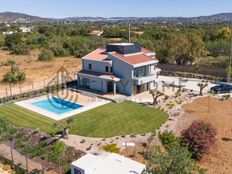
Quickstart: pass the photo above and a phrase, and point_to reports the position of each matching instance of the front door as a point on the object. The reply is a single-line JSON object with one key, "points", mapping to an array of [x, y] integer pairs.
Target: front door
{"points": [[110, 86]]}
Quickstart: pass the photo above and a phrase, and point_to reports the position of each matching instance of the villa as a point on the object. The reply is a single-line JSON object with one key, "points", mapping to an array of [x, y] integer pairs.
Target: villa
{"points": [[124, 68]]}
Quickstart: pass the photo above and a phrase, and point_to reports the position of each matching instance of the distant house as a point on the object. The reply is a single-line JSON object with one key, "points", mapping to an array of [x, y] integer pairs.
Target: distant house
{"points": [[106, 164], [25, 29], [126, 68], [8, 32], [138, 32], [96, 33]]}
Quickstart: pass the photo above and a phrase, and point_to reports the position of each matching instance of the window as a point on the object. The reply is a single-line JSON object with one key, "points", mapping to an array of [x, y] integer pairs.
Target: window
{"points": [[77, 171], [141, 71], [90, 66], [107, 69]]}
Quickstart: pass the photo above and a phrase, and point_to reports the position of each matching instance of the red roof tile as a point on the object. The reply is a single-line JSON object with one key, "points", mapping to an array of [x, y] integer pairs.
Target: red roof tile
{"points": [[98, 54], [133, 59]]}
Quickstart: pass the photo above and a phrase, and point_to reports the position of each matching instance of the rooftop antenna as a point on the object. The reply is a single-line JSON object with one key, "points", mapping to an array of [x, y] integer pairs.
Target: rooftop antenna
{"points": [[129, 33]]}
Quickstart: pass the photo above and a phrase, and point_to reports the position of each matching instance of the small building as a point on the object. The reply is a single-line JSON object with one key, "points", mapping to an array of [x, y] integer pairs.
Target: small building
{"points": [[106, 164], [125, 68], [25, 29], [8, 32]]}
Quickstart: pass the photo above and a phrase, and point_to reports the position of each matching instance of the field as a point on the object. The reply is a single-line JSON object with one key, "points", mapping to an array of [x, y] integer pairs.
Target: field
{"points": [[36, 71], [105, 121], [218, 113]]}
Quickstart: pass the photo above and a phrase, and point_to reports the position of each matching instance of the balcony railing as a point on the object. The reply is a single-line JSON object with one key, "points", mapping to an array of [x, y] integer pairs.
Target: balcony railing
{"points": [[143, 80]]}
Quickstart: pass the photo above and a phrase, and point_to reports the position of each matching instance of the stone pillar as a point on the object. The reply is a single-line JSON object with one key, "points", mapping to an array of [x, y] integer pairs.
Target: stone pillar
{"points": [[115, 90]]}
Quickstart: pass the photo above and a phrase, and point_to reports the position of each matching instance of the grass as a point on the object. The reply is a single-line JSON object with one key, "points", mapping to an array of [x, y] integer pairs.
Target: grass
{"points": [[106, 121]]}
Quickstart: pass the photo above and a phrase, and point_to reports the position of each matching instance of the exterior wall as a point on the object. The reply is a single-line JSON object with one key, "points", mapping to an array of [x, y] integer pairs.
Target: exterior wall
{"points": [[97, 66], [124, 72], [95, 83]]}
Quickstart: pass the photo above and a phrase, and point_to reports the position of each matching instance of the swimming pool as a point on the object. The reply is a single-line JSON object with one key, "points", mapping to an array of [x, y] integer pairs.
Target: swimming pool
{"points": [[56, 105]]}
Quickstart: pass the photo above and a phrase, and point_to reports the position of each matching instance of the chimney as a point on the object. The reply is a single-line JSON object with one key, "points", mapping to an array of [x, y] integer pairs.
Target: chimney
{"points": [[129, 33]]}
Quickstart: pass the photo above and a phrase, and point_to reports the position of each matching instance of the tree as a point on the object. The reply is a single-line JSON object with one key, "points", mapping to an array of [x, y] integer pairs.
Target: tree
{"points": [[46, 55], [13, 39], [64, 129], [198, 138], [156, 94], [175, 161], [202, 86], [14, 76], [229, 72]]}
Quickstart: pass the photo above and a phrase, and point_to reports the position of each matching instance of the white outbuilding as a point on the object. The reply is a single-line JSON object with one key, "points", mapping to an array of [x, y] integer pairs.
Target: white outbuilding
{"points": [[106, 164]]}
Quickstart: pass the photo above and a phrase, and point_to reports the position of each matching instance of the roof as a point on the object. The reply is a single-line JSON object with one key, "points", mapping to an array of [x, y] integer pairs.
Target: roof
{"points": [[98, 54], [109, 163], [96, 32], [133, 58], [99, 75]]}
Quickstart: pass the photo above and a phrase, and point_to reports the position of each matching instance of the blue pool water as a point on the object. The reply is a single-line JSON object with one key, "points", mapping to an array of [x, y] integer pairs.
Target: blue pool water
{"points": [[56, 105]]}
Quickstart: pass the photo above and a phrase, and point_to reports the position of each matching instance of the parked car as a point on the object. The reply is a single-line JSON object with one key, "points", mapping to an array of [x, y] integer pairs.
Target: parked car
{"points": [[221, 88]]}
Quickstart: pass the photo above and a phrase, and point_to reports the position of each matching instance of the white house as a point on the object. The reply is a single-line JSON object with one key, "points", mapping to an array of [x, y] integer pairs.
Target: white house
{"points": [[126, 68], [106, 164], [25, 29]]}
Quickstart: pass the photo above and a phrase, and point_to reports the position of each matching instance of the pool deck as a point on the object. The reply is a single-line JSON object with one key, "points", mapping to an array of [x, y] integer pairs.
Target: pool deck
{"points": [[86, 102]]}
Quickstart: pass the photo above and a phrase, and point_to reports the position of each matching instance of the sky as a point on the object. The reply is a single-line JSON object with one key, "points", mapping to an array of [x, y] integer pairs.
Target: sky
{"points": [[117, 8]]}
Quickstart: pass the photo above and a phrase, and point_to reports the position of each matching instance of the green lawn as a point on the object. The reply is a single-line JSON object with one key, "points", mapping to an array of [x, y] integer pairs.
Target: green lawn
{"points": [[106, 121]]}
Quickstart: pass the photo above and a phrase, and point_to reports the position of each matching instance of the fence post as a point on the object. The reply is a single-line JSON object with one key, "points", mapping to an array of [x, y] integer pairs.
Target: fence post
{"points": [[6, 93], [10, 90], [12, 158], [27, 170]]}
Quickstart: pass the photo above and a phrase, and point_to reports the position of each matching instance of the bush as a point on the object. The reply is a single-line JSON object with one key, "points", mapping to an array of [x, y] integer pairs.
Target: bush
{"points": [[169, 140], [59, 51], [46, 55], [113, 148], [14, 77], [198, 138], [20, 50]]}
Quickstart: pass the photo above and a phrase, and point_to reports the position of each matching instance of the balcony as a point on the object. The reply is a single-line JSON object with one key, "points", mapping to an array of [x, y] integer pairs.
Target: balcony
{"points": [[143, 80]]}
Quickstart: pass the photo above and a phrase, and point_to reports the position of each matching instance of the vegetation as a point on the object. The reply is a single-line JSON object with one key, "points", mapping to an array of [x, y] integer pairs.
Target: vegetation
{"points": [[156, 94], [14, 76], [198, 138], [46, 55], [112, 148], [64, 129], [176, 160], [174, 43], [106, 121], [33, 144], [202, 86], [169, 140]]}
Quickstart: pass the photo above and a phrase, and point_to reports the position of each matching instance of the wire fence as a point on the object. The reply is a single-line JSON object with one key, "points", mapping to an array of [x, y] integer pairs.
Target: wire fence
{"points": [[18, 160], [12, 90]]}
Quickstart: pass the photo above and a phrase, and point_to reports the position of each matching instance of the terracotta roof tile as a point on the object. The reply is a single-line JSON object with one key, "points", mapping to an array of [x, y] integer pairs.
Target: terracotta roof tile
{"points": [[98, 54], [133, 59]]}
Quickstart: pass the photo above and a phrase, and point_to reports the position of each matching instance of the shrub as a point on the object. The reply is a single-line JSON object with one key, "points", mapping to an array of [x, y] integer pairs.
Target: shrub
{"points": [[20, 50], [198, 138], [169, 140], [14, 77], [46, 55], [59, 51], [113, 148]]}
